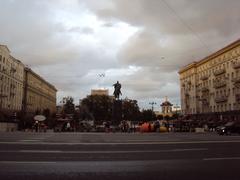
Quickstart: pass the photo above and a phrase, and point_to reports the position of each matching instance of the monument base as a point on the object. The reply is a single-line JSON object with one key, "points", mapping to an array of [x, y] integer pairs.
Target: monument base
{"points": [[117, 111]]}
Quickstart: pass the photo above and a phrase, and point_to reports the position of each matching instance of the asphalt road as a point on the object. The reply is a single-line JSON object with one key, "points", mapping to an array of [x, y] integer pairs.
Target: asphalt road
{"points": [[119, 156]]}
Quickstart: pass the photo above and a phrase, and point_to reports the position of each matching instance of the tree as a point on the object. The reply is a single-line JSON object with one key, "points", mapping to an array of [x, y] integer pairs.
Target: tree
{"points": [[46, 112], [100, 106], [175, 116], [160, 117], [131, 110], [49, 118], [69, 107], [148, 115], [167, 117]]}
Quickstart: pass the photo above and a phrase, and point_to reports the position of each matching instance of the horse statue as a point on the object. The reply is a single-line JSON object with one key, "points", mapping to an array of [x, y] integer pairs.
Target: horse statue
{"points": [[117, 90]]}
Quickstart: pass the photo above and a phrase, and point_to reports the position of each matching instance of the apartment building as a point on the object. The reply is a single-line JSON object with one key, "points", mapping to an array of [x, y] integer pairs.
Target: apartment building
{"points": [[21, 88], [39, 94], [11, 81], [212, 85]]}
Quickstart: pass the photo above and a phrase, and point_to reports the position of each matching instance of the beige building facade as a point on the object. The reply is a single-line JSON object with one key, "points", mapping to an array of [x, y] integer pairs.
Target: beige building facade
{"points": [[21, 88], [39, 95], [11, 81], [212, 85]]}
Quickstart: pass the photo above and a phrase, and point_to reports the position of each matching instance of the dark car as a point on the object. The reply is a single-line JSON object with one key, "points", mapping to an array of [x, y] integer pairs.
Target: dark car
{"points": [[229, 128]]}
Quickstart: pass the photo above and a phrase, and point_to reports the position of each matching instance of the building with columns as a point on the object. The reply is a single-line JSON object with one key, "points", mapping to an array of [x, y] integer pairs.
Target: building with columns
{"points": [[212, 85]]}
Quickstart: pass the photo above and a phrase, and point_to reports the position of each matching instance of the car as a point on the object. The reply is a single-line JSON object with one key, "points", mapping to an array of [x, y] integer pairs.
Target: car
{"points": [[229, 128]]}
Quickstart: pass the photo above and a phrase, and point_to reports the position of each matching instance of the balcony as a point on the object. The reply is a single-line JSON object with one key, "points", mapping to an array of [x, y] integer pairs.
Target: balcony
{"points": [[236, 79], [204, 77], [3, 96], [236, 65], [12, 94], [205, 89], [219, 72], [205, 102], [237, 97], [3, 70], [221, 99], [13, 70], [188, 82], [219, 84], [12, 86]]}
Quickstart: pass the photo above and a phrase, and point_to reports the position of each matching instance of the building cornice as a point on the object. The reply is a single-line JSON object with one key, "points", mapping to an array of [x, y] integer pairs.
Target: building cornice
{"points": [[1, 45], [27, 69], [212, 56], [187, 67]]}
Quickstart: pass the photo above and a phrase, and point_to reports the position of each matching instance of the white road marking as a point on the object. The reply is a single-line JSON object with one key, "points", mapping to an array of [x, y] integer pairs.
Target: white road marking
{"points": [[221, 159], [27, 162], [39, 151], [120, 143], [104, 152], [29, 140]]}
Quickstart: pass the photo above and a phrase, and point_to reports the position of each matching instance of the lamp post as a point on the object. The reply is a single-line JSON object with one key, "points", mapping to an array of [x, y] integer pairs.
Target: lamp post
{"points": [[152, 103]]}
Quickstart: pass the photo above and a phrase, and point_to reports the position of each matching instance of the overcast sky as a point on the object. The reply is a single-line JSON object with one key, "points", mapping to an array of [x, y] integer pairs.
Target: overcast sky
{"points": [[141, 43]]}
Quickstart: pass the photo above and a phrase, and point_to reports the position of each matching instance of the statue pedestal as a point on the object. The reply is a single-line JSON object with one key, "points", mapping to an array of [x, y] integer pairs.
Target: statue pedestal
{"points": [[117, 111]]}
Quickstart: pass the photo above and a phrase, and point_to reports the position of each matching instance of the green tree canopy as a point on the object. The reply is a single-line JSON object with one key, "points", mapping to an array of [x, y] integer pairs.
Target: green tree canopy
{"points": [[100, 106], [69, 107], [131, 110], [148, 115]]}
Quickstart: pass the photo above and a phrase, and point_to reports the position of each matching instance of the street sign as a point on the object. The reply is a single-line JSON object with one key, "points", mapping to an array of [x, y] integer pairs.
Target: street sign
{"points": [[39, 118]]}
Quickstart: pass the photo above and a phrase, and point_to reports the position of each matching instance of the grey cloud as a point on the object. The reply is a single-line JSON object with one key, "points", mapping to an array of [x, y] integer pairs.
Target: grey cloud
{"points": [[169, 36], [172, 34], [108, 24], [203, 23]]}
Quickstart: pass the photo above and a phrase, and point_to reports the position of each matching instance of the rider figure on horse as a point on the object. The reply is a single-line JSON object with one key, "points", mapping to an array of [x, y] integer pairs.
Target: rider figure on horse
{"points": [[117, 90]]}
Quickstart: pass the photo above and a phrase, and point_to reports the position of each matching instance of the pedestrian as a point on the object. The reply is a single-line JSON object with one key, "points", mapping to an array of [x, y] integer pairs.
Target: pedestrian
{"points": [[149, 127], [68, 126], [36, 126]]}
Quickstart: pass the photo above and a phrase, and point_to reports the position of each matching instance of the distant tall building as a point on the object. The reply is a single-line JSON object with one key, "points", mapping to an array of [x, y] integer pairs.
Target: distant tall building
{"points": [[212, 85], [100, 92]]}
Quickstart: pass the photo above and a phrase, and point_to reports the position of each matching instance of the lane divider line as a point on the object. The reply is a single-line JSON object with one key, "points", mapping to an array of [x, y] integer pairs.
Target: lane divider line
{"points": [[34, 142], [221, 159], [103, 152]]}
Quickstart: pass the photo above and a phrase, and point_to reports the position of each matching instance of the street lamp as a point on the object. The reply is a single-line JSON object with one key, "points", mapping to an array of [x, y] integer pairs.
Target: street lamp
{"points": [[152, 103]]}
